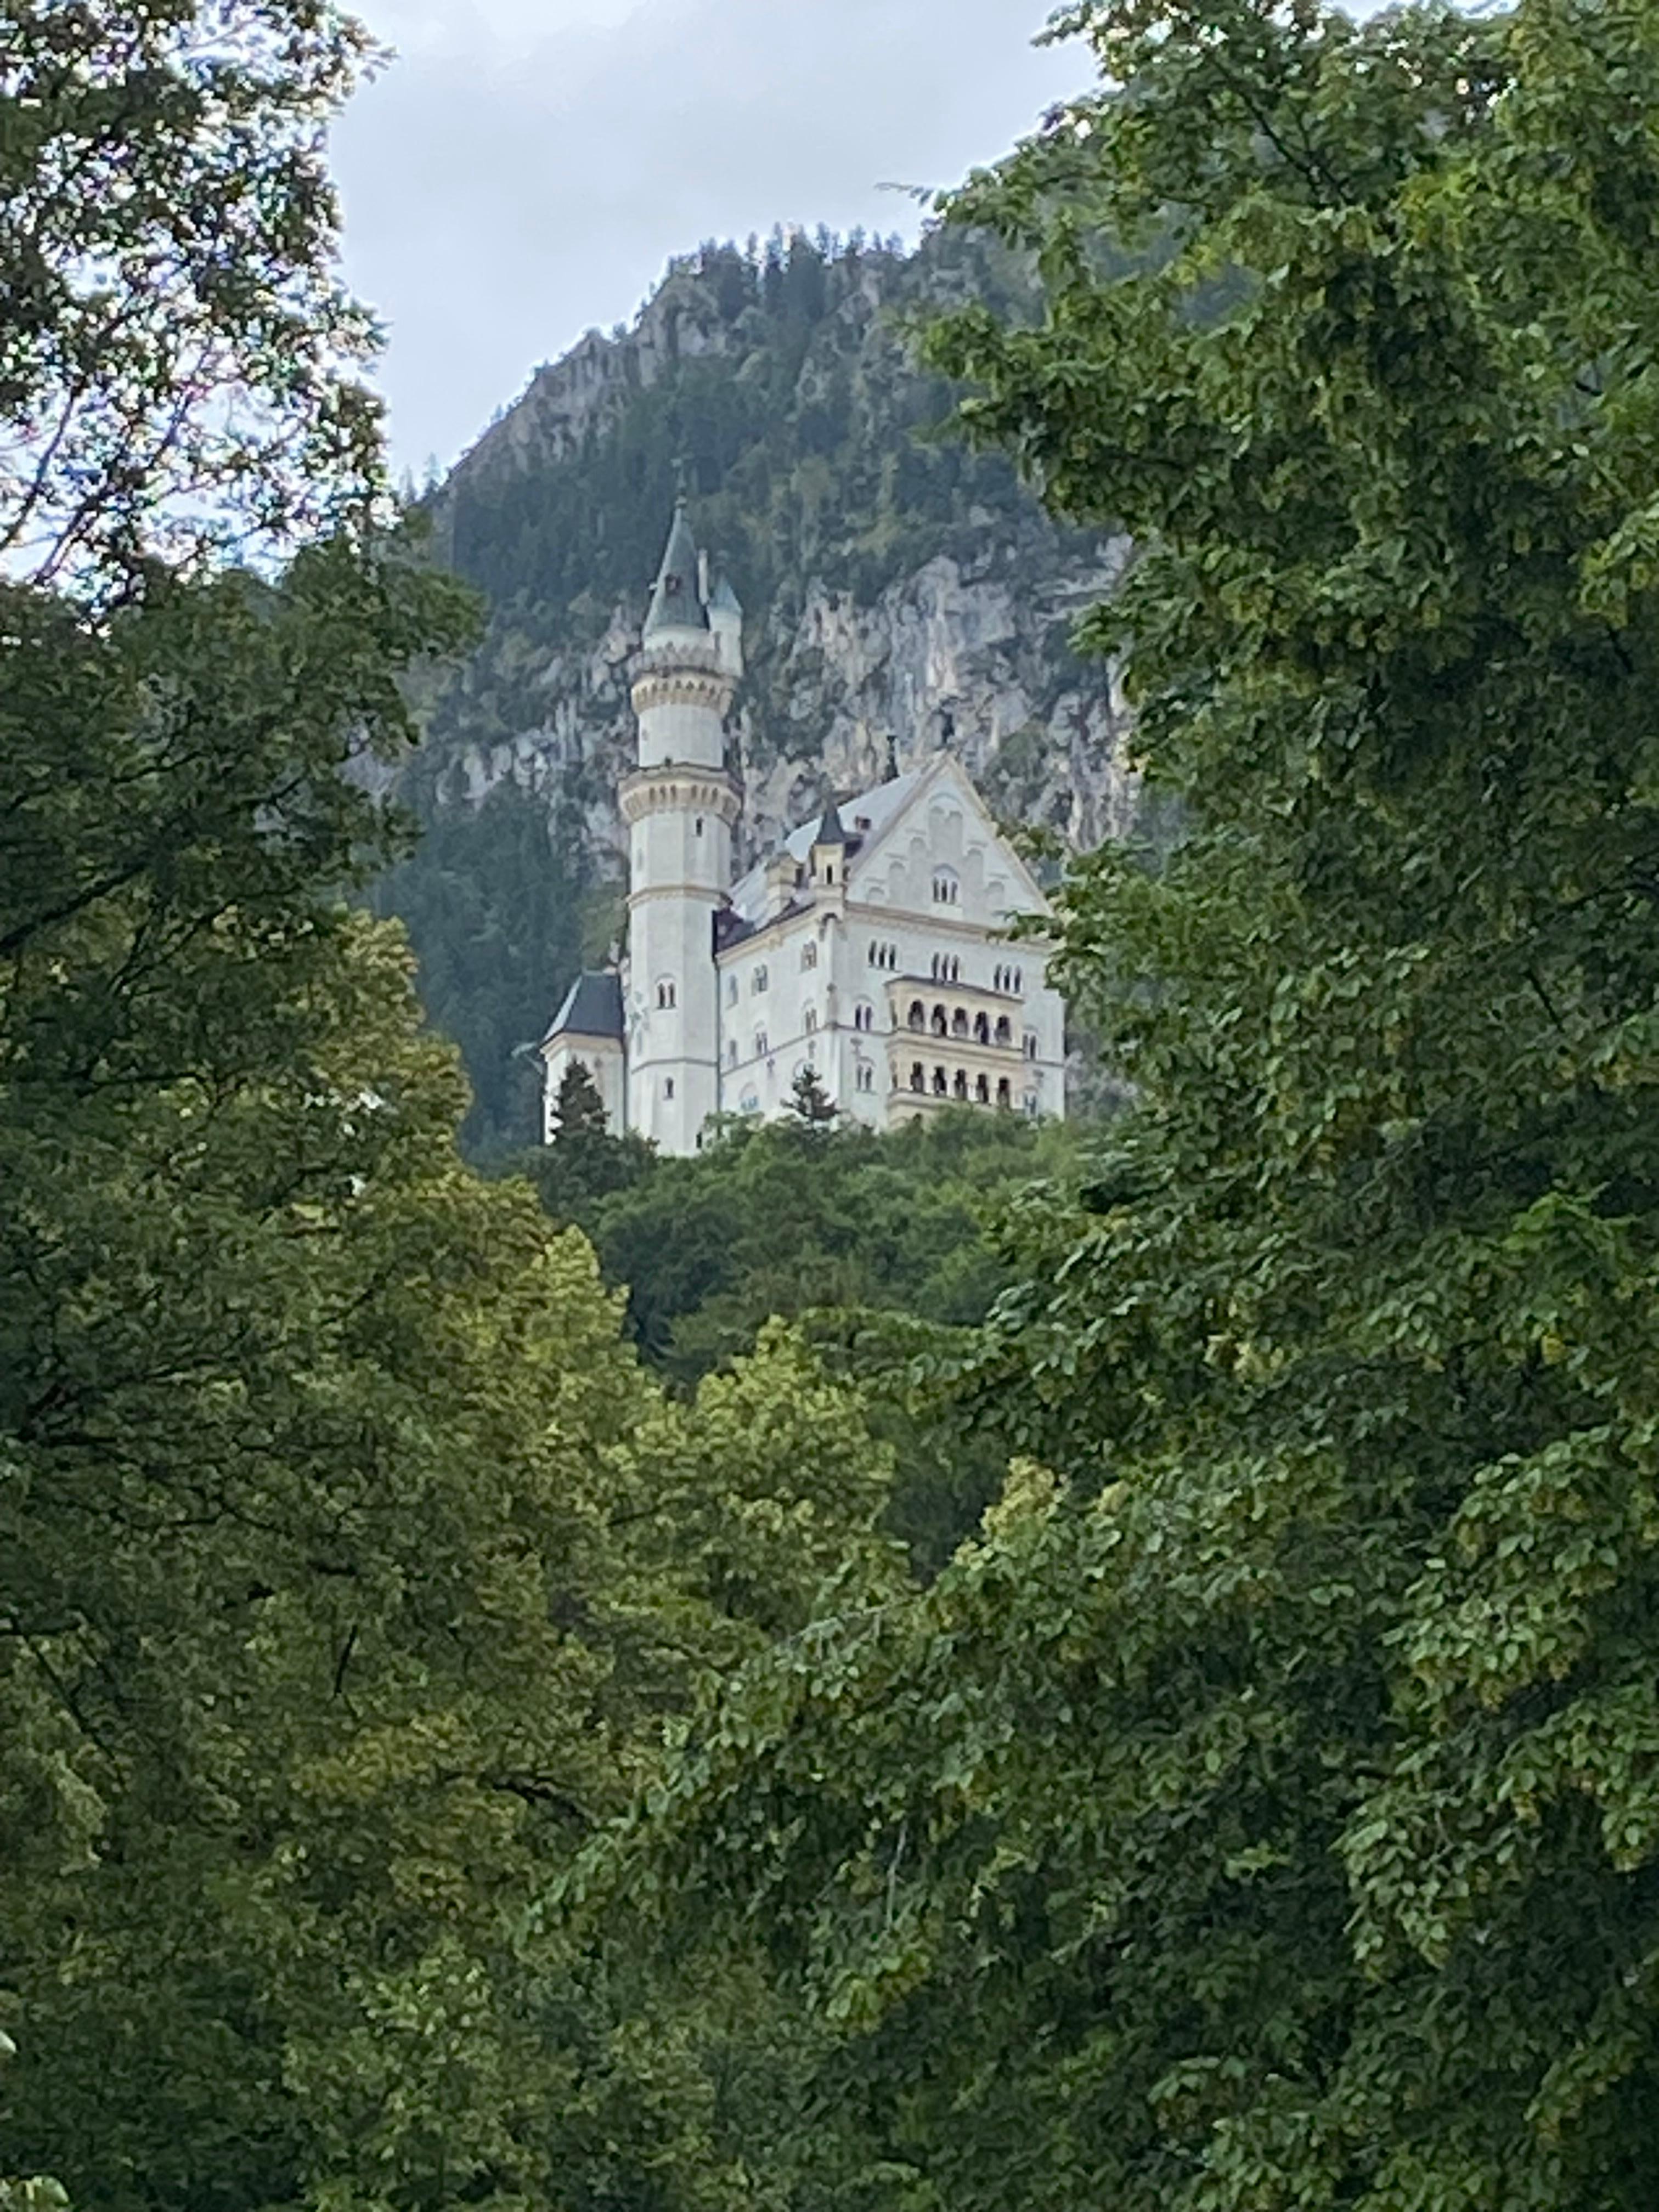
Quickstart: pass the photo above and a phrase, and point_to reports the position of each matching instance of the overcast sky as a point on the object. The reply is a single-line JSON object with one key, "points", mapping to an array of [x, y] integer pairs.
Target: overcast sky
{"points": [[524, 169]]}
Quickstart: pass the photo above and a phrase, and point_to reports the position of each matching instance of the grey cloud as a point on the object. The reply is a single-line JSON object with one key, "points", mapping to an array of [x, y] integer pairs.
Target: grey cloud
{"points": [[504, 194]]}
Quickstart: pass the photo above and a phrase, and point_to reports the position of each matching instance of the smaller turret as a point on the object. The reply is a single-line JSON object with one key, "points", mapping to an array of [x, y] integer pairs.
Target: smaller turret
{"points": [[726, 621]]}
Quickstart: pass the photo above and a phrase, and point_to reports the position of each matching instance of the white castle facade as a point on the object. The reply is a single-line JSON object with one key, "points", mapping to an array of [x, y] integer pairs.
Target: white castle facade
{"points": [[872, 946]]}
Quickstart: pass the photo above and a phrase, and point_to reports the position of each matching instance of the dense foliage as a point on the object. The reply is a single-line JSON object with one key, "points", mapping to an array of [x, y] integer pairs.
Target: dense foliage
{"points": [[890, 1249], [1261, 1813]]}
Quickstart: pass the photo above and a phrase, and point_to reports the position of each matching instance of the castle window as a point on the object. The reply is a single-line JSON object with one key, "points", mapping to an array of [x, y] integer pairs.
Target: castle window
{"points": [[664, 994], [758, 981], [918, 1076], [875, 953], [1004, 1030], [809, 954], [941, 1087], [731, 1053], [981, 1028], [918, 1016], [668, 1086], [811, 1023], [982, 1090], [1029, 1103], [934, 970], [731, 990], [866, 1077], [697, 825], [1004, 1097], [959, 1023], [947, 890], [956, 971], [760, 1044], [941, 1022], [1018, 979], [996, 978], [749, 1104], [864, 1015], [1031, 1044]]}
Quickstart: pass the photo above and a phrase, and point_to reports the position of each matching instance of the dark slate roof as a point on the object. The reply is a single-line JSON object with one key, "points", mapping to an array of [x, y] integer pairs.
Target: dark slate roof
{"points": [[592, 1008], [674, 602], [831, 830]]}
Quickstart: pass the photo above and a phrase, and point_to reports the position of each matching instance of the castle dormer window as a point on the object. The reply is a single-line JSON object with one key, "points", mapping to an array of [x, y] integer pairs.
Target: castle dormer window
{"points": [[947, 890]]}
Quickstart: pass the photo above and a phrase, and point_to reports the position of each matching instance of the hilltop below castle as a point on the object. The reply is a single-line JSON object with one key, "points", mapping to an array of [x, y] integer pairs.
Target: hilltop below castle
{"points": [[872, 947]]}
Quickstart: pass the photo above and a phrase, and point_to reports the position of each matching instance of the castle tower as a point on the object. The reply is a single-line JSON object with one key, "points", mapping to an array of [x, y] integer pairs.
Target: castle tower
{"points": [[680, 805]]}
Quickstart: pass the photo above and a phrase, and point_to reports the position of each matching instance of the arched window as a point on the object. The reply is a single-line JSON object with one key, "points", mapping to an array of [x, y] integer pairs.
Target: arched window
{"points": [[664, 994], [759, 980], [959, 1023], [731, 1053], [956, 971], [1003, 1095], [996, 978], [981, 1028], [668, 1086], [731, 990], [941, 1022], [749, 1104], [875, 953], [864, 1015], [810, 1022], [918, 1016], [809, 954], [918, 1076], [982, 1090], [1004, 1030], [947, 890], [760, 1044], [941, 1086], [1018, 979], [892, 956], [867, 1078], [959, 1088], [1031, 1044], [697, 825]]}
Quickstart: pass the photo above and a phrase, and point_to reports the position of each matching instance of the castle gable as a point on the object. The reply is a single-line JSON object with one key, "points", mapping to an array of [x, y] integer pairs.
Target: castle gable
{"points": [[935, 848]]}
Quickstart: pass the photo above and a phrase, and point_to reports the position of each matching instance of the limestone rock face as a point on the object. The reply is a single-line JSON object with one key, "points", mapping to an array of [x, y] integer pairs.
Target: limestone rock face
{"points": [[854, 693]]}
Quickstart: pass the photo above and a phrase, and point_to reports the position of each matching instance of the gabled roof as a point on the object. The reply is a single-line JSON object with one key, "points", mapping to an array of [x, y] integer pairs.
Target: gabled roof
{"points": [[593, 1008], [875, 806], [674, 601]]}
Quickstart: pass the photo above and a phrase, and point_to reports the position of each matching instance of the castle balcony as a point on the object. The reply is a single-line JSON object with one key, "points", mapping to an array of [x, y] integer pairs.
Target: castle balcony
{"points": [[976, 1025]]}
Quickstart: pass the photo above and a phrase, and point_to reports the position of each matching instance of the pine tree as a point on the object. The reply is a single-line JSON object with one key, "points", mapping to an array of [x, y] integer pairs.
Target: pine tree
{"points": [[579, 1112], [811, 1102]]}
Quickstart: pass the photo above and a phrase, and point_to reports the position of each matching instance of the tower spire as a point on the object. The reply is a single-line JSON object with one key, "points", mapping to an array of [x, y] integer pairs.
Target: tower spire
{"points": [[675, 601]]}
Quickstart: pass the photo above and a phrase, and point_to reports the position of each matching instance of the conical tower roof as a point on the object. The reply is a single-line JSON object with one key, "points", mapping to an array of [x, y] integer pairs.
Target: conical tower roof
{"points": [[831, 830], [674, 601]]}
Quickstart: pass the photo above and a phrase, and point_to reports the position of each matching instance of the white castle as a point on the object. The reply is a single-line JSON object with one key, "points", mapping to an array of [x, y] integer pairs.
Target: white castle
{"points": [[873, 947]]}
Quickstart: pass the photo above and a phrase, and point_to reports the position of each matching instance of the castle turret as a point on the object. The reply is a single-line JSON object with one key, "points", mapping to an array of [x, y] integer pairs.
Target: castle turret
{"points": [[680, 805]]}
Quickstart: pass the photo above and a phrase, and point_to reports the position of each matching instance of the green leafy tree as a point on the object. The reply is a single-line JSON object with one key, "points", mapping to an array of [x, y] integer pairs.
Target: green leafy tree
{"points": [[179, 366], [1259, 1811]]}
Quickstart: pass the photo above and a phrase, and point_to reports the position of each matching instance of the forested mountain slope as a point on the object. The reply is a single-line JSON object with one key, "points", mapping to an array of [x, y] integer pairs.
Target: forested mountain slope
{"points": [[902, 592]]}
